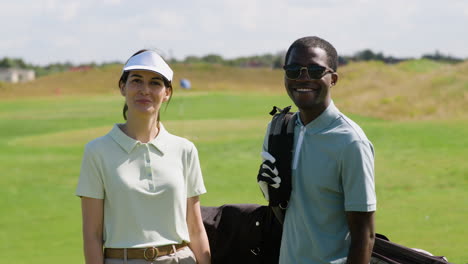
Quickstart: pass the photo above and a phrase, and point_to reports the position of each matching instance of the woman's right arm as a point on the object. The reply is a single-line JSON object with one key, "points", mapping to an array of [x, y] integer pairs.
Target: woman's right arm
{"points": [[93, 215]]}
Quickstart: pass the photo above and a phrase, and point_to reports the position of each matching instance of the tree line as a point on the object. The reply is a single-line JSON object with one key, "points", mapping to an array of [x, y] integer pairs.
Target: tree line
{"points": [[266, 60], [277, 60]]}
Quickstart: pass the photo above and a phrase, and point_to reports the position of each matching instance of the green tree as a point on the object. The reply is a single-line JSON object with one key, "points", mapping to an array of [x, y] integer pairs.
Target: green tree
{"points": [[12, 63], [213, 58]]}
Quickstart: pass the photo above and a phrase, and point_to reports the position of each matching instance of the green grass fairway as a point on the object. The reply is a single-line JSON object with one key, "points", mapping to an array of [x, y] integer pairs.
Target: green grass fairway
{"points": [[421, 168]]}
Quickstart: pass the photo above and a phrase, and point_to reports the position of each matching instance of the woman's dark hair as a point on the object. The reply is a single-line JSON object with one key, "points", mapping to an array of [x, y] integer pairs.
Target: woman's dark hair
{"points": [[123, 80]]}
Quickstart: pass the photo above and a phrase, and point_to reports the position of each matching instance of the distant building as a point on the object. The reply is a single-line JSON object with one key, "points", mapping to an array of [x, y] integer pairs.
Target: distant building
{"points": [[13, 75]]}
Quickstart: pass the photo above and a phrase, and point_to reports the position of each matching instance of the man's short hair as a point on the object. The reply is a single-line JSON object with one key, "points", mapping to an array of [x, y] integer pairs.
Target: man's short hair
{"points": [[316, 42]]}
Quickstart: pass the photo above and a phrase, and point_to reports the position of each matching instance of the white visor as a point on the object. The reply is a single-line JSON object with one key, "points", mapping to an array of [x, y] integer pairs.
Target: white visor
{"points": [[149, 61]]}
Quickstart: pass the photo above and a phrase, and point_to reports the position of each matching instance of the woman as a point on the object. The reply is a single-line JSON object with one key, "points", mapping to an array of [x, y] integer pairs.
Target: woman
{"points": [[139, 185]]}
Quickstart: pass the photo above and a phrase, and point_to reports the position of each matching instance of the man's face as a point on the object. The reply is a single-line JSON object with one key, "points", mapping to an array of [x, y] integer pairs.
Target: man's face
{"points": [[307, 93]]}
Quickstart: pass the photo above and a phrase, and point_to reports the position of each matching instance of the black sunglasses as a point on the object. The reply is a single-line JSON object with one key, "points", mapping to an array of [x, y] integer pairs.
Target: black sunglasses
{"points": [[314, 71]]}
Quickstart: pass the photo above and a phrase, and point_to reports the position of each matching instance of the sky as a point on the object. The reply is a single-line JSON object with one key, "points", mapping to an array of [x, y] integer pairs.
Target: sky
{"points": [[83, 31]]}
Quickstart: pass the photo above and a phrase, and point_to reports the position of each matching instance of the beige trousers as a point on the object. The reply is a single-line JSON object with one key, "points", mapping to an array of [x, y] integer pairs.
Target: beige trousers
{"points": [[183, 256]]}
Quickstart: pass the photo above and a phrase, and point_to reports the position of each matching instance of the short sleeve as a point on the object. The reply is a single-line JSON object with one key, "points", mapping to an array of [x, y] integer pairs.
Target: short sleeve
{"points": [[90, 183], [357, 175], [194, 179]]}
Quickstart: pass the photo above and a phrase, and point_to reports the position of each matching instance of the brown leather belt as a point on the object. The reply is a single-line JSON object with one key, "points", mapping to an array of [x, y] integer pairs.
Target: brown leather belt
{"points": [[149, 254]]}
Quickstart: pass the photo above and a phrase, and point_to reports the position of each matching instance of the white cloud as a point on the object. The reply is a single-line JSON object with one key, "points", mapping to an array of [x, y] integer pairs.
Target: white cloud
{"points": [[113, 2], [50, 5], [7, 44], [463, 6], [69, 11], [113, 29], [64, 41], [64, 11]]}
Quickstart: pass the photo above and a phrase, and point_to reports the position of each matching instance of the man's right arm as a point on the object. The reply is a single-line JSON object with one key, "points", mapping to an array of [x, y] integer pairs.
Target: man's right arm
{"points": [[360, 199], [361, 229]]}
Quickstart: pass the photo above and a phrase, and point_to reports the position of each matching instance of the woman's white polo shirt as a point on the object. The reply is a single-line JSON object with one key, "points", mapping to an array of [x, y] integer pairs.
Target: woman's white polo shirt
{"points": [[145, 187]]}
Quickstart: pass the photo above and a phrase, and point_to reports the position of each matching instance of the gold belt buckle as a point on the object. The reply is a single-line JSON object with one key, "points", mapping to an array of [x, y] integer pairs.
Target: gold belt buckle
{"points": [[154, 253]]}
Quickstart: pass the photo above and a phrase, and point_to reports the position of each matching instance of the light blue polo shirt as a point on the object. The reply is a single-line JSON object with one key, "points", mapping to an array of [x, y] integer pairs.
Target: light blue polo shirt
{"points": [[145, 187], [333, 172]]}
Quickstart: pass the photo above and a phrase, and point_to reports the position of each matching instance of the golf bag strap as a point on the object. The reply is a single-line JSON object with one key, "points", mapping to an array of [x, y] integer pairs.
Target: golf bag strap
{"points": [[280, 144], [279, 213]]}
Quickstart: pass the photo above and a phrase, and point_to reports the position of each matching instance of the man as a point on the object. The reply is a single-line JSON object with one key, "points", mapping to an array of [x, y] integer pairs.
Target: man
{"points": [[330, 216]]}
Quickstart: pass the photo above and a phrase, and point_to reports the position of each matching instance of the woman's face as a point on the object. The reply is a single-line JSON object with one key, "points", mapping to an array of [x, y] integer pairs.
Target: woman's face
{"points": [[144, 92]]}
